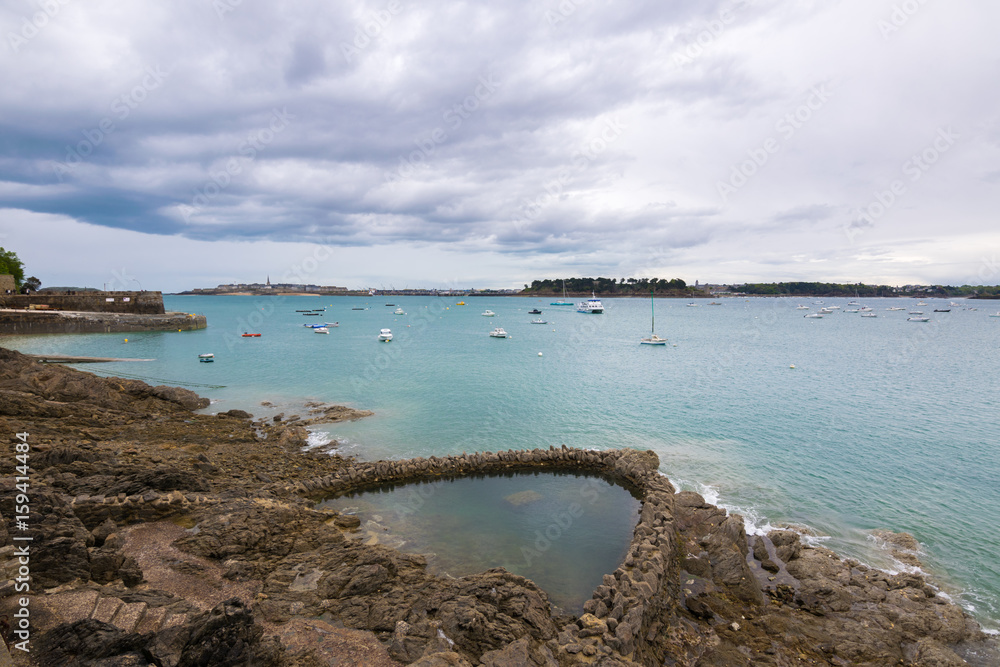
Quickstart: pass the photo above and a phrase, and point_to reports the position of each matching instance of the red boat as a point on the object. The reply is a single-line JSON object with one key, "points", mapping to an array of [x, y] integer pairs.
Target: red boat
{"points": [[250, 335]]}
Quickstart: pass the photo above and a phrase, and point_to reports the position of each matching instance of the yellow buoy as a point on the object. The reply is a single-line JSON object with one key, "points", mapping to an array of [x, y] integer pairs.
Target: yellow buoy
{"points": [[126, 340]]}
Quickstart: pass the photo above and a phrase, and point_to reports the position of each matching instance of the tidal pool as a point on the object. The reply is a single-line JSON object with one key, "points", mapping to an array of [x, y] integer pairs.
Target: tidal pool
{"points": [[562, 530]]}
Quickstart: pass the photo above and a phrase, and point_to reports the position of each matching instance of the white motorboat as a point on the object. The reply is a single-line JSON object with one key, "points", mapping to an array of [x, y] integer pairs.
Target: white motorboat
{"points": [[866, 309], [825, 311], [896, 308], [868, 315], [498, 333], [399, 311], [921, 303], [539, 322], [489, 313], [916, 312], [997, 314], [852, 310], [385, 335], [833, 307], [918, 319], [853, 303], [206, 358], [321, 330], [815, 316], [692, 305], [592, 305], [800, 307]]}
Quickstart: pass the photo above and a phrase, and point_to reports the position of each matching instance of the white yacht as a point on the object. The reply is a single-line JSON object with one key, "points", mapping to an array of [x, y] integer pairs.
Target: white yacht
{"points": [[489, 313], [399, 311], [498, 333], [591, 305], [385, 335]]}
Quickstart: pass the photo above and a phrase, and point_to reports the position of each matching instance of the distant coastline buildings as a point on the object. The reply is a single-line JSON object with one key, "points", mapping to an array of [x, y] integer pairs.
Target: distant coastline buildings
{"points": [[267, 288]]}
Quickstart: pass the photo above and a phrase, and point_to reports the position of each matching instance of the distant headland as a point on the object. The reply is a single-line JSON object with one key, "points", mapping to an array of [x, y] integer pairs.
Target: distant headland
{"points": [[623, 287]]}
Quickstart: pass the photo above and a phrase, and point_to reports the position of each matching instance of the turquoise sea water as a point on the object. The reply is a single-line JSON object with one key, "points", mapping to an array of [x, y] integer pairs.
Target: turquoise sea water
{"points": [[882, 424], [563, 531]]}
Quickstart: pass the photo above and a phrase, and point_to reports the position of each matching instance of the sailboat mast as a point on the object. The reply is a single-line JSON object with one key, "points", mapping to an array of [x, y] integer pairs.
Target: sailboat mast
{"points": [[652, 314]]}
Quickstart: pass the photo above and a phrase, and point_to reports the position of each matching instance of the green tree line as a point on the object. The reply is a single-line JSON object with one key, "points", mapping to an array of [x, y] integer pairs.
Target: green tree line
{"points": [[862, 290], [608, 286]]}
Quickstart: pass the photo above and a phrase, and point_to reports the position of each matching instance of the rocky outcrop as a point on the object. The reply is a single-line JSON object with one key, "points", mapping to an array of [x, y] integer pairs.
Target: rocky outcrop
{"points": [[28, 388], [225, 635]]}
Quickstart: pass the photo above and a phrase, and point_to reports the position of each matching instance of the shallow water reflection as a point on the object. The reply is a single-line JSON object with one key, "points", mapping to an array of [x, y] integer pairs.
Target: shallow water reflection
{"points": [[562, 530]]}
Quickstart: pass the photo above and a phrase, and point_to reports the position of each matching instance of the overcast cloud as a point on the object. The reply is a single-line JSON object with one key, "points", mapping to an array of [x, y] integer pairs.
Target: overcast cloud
{"points": [[396, 143]]}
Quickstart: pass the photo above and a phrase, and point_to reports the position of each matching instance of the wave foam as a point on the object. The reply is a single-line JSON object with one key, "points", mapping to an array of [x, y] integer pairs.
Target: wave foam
{"points": [[317, 439]]}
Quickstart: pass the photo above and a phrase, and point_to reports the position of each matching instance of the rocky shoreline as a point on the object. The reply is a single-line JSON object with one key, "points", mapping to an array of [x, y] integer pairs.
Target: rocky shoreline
{"points": [[166, 537]]}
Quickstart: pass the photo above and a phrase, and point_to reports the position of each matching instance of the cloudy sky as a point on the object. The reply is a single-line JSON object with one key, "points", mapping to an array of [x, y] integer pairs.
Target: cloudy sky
{"points": [[446, 143]]}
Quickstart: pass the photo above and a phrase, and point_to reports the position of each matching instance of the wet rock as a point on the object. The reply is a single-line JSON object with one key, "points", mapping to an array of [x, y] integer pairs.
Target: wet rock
{"points": [[85, 642], [448, 659], [348, 521], [787, 544], [60, 540], [102, 532]]}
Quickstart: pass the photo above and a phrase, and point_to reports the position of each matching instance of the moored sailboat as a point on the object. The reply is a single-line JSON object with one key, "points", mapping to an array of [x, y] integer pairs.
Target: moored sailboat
{"points": [[653, 338]]}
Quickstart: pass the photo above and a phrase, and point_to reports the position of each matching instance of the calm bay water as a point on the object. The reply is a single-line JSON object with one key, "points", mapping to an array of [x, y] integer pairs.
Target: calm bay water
{"points": [[564, 531], [882, 424]]}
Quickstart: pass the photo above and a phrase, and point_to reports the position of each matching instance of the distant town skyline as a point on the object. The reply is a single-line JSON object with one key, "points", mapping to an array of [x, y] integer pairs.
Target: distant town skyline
{"points": [[392, 145]]}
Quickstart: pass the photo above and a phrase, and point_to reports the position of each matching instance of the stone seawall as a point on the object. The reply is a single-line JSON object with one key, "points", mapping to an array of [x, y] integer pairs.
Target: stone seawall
{"points": [[626, 611], [23, 322], [139, 303]]}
